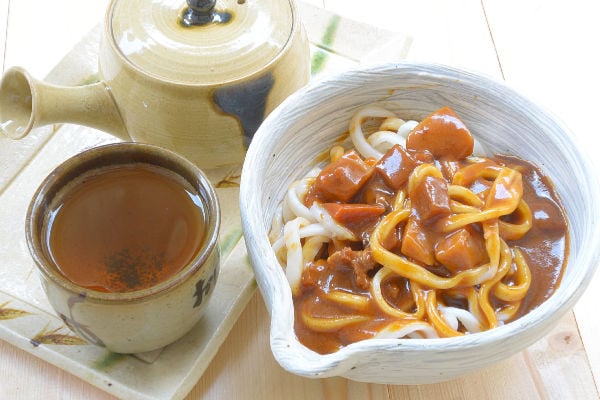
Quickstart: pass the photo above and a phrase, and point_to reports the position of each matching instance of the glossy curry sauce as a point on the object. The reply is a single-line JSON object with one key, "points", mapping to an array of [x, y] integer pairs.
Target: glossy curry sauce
{"points": [[349, 267]]}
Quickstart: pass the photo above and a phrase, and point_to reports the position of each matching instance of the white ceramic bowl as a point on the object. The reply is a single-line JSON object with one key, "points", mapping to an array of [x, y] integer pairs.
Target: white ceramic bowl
{"points": [[310, 121]]}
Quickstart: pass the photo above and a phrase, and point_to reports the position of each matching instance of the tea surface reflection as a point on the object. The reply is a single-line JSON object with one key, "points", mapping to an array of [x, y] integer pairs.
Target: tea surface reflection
{"points": [[125, 228]]}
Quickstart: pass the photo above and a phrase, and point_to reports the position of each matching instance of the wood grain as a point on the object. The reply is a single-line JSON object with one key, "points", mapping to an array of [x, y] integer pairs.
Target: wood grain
{"points": [[448, 32], [529, 42], [547, 52], [531, 374]]}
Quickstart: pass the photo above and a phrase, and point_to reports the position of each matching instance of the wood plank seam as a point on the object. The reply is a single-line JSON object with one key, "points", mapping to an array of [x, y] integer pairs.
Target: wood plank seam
{"points": [[5, 35], [492, 38], [587, 357]]}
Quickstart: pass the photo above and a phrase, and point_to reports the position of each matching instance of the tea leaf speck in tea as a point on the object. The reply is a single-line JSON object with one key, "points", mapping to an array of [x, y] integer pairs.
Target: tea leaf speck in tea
{"points": [[124, 228]]}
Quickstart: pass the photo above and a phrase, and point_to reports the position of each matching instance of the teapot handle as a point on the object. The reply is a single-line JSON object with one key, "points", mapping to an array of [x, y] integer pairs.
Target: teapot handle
{"points": [[202, 12]]}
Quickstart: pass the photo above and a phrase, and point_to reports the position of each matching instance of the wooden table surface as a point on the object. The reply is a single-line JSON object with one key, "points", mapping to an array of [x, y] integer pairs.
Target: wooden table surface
{"points": [[545, 48]]}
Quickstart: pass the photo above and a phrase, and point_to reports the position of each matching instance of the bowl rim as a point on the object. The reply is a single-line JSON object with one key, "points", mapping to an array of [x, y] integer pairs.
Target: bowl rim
{"points": [[275, 290]]}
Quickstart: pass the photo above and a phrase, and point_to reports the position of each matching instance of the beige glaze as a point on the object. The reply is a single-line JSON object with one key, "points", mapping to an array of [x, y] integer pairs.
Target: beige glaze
{"points": [[201, 91], [141, 320]]}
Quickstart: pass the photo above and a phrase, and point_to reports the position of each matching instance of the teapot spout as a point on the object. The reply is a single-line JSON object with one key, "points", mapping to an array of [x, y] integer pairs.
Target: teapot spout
{"points": [[27, 103]]}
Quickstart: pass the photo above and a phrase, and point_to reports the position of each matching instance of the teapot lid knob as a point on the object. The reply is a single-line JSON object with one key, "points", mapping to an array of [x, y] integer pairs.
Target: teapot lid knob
{"points": [[202, 12], [201, 6]]}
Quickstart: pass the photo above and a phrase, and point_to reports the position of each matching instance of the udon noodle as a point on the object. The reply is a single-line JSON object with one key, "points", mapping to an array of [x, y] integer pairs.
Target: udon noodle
{"points": [[408, 235]]}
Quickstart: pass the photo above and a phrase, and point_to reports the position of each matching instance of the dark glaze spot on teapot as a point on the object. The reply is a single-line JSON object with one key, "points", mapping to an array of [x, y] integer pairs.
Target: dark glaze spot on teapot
{"points": [[201, 13], [246, 101]]}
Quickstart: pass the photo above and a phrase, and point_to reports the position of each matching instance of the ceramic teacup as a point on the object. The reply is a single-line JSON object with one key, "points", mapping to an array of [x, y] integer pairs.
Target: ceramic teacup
{"points": [[138, 319]]}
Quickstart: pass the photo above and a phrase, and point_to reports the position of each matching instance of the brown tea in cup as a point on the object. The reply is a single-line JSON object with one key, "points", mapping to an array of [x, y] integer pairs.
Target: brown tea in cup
{"points": [[125, 237], [124, 228]]}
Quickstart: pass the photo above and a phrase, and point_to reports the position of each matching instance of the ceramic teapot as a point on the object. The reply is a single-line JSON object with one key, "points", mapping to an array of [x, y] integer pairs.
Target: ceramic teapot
{"points": [[196, 78]]}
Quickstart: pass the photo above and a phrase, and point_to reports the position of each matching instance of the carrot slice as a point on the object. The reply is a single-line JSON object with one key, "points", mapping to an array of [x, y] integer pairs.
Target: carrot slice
{"points": [[358, 218]]}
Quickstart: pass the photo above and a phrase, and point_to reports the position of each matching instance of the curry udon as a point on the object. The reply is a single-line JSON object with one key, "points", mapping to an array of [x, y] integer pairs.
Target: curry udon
{"points": [[409, 235]]}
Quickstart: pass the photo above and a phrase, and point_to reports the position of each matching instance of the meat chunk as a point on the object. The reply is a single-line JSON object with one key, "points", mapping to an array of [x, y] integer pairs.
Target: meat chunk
{"points": [[430, 198], [376, 191], [461, 250], [361, 261], [340, 180], [396, 166], [443, 134], [417, 242], [393, 241]]}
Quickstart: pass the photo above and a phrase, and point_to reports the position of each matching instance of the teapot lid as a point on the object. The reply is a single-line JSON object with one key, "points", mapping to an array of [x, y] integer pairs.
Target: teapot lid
{"points": [[201, 42]]}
